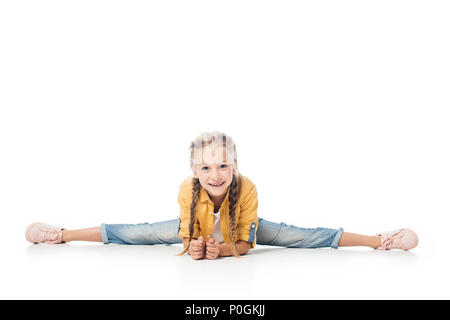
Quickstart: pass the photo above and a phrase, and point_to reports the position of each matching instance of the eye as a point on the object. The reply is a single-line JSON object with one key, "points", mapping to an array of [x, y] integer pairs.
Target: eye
{"points": [[205, 168], [224, 166]]}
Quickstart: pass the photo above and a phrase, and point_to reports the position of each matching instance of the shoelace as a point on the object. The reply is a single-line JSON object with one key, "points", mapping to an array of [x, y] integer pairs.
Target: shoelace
{"points": [[388, 241], [49, 234]]}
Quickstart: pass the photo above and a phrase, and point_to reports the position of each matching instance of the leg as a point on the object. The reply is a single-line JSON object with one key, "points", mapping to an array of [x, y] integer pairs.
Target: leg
{"points": [[352, 239], [165, 232], [89, 234], [281, 234]]}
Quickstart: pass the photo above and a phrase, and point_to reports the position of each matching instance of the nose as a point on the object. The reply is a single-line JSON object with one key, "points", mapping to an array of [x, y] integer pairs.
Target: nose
{"points": [[215, 174]]}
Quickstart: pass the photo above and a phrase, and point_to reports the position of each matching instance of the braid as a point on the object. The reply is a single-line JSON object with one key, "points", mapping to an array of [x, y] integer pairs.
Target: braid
{"points": [[195, 197], [233, 198]]}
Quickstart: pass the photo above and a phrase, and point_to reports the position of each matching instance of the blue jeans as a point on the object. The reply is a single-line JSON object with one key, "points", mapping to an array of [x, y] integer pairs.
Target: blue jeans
{"points": [[268, 233]]}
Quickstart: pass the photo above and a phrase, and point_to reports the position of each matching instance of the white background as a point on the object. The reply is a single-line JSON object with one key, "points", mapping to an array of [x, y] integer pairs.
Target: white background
{"points": [[340, 113]]}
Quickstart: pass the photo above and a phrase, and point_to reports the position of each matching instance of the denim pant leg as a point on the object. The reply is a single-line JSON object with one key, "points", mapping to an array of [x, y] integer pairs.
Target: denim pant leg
{"points": [[281, 234], [164, 232]]}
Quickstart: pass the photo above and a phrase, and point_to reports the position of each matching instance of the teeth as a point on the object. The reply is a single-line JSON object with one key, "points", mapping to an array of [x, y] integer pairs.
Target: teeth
{"points": [[216, 184]]}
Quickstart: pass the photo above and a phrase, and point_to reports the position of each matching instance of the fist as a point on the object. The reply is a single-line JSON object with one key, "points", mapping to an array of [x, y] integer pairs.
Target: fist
{"points": [[212, 249], [197, 248]]}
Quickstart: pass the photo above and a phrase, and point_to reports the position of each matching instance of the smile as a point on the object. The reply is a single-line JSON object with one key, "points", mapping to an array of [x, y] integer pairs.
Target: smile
{"points": [[217, 185]]}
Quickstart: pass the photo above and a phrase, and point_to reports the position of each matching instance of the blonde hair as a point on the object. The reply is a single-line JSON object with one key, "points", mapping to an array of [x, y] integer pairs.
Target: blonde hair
{"points": [[196, 147]]}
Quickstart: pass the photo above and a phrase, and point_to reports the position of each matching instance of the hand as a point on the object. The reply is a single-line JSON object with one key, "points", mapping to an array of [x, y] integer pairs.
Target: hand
{"points": [[197, 248], [212, 249]]}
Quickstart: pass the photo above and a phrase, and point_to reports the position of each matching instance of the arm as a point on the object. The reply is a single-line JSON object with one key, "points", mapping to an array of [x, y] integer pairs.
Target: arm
{"points": [[241, 246], [248, 218], [184, 200]]}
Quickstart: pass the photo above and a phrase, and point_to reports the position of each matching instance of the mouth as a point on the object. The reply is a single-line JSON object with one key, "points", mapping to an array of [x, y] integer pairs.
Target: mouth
{"points": [[216, 185]]}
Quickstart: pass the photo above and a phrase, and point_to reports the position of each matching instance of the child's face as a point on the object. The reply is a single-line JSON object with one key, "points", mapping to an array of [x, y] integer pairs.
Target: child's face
{"points": [[212, 168]]}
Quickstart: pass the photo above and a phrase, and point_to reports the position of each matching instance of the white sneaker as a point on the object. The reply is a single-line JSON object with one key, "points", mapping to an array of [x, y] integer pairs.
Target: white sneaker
{"points": [[39, 232], [405, 239]]}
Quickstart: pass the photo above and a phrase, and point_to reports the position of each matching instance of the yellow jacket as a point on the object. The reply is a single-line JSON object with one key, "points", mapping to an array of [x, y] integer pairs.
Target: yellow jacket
{"points": [[246, 217]]}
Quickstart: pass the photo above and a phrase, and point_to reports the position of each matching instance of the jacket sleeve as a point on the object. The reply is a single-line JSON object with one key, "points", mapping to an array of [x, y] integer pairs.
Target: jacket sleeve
{"points": [[248, 217]]}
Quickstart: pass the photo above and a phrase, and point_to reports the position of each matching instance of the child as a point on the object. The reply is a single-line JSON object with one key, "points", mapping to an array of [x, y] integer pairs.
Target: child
{"points": [[218, 216]]}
